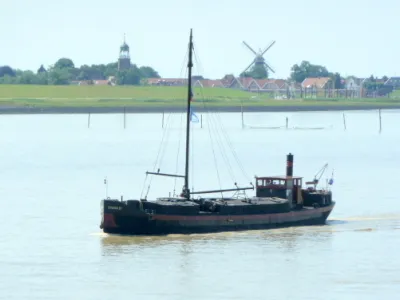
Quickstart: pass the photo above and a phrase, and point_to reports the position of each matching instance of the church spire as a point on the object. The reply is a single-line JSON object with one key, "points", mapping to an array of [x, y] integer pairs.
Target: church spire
{"points": [[124, 60]]}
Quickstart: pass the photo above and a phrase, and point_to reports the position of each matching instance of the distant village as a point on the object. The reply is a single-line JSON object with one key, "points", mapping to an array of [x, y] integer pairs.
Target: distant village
{"points": [[258, 85], [279, 88]]}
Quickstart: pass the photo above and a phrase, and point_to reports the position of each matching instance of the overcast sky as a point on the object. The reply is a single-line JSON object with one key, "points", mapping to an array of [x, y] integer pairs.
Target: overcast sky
{"points": [[352, 37]]}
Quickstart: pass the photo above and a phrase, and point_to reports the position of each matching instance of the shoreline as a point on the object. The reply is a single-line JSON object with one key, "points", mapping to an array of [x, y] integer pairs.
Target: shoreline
{"points": [[175, 109]]}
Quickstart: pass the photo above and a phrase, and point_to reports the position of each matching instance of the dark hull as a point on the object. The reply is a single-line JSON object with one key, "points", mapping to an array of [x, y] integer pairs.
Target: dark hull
{"points": [[141, 223]]}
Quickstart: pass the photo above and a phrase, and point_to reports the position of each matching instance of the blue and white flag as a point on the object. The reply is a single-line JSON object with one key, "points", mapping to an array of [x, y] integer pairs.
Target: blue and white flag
{"points": [[330, 182], [193, 117]]}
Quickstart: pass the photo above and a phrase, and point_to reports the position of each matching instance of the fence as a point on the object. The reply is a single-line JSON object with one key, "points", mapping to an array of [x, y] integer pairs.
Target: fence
{"points": [[315, 93]]}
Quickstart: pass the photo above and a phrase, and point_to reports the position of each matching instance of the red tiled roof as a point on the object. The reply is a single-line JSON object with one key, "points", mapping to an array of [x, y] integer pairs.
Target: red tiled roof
{"points": [[211, 83], [262, 82], [246, 81], [280, 83], [101, 82], [318, 82], [166, 80]]}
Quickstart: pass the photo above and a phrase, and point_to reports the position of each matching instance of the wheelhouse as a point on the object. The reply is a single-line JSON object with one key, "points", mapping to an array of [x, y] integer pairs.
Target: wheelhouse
{"points": [[276, 186]]}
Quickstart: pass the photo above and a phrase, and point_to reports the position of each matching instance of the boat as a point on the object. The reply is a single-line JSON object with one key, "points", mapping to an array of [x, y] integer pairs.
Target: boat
{"points": [[279, 201]]}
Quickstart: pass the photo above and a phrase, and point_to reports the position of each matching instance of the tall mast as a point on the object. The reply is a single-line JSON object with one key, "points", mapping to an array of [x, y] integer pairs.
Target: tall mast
{"points": [[186, 191]]}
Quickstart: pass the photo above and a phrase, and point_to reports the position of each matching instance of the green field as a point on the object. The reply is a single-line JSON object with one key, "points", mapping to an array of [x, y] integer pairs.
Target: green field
{"points": [[120, 96]]}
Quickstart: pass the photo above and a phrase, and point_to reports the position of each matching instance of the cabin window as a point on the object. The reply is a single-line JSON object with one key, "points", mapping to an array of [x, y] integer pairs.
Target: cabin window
{"points": [[276, 182]]}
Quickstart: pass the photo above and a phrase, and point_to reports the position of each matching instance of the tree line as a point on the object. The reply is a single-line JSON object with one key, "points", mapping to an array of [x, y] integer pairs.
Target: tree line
{"points": [[64, 72]]}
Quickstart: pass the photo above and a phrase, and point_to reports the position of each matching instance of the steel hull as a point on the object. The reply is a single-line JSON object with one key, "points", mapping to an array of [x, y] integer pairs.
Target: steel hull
{"points": [[141, 223]]}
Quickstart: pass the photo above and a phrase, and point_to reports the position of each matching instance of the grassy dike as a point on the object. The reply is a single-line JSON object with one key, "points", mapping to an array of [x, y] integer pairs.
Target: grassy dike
{"points": [[70, 99]]}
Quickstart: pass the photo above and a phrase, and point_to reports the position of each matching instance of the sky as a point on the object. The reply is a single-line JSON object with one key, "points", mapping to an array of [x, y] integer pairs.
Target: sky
{"points": [[352, 37]]}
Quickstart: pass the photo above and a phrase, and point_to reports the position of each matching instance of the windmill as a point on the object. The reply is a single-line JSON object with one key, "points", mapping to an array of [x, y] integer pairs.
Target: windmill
{"points": [[259, 59]]}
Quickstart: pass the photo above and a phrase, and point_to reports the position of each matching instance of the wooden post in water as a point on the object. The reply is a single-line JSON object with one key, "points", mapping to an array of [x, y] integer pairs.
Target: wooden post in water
{"points": [[241, 109], [344, 121], [201, 121], [287, 122], [380, 121], [124, 117], [88, 121], [162, 121]]}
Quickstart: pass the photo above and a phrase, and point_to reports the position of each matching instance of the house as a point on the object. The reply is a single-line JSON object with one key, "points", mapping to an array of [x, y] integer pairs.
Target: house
{"points": [[273, 84], [101, 82], [235, 84], [249, 84], [262, 82], [281, 83], [270, 85], [353, 83], [110, 81], [393, 81], [254, 85], [316, 83], [208, 83], [227, 80], [167, 81]]}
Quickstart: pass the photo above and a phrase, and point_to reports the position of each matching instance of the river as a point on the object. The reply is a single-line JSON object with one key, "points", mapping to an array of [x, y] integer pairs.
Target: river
{"points": [[52, 180]]}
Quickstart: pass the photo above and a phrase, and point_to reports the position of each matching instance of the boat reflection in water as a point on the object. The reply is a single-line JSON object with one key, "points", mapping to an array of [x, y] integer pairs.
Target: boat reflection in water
{"points": [[286, 239]]}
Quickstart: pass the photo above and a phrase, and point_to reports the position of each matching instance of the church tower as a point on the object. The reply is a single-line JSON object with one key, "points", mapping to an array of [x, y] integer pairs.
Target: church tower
{"points": [[124, 60]]}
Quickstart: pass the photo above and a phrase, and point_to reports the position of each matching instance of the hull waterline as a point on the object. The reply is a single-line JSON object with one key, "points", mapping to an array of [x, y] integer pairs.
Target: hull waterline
{"points": [[157, 224]]}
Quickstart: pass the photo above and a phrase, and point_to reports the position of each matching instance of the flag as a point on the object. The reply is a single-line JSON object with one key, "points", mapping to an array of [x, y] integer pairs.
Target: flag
{"points": [[193, 117], [330, 182]]}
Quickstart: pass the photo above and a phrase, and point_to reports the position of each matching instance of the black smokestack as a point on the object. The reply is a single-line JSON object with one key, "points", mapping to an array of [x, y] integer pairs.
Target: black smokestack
{"points": [[289, 166]]}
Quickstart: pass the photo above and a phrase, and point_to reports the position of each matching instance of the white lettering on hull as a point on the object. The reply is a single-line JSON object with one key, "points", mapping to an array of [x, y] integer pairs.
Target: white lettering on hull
{"points": [[114, 207]]}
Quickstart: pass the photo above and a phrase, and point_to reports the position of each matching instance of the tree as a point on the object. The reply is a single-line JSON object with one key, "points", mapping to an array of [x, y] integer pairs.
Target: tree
{"points": [[27, 77], [306, 69], [337, 80], [372, 78], [385, 78], [148, 72], [258, 71], [42, 78], [129, 77], [7, 70], [64, 63], [110, 69], [58, 77], [64, 71], [41, 69], [7, 79]]}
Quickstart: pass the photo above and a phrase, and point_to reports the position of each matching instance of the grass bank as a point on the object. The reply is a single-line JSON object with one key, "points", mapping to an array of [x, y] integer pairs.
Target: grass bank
{"points": [[160, 98]]}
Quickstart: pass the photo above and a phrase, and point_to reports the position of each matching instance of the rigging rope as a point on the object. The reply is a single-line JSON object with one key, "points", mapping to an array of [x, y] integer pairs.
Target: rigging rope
{"points": [[209, 128], [224, 132], [144, 185], [223, 154], [192, 156], [158, 154], [177, 154], [162, 149], [233, 149]]}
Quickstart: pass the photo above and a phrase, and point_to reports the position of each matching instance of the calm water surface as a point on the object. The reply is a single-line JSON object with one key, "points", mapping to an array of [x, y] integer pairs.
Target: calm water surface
{"points": [[52, 172]]}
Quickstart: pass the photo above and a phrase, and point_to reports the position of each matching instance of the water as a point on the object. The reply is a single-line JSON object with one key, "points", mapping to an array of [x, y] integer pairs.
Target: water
{"points": [[52, 175]]}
